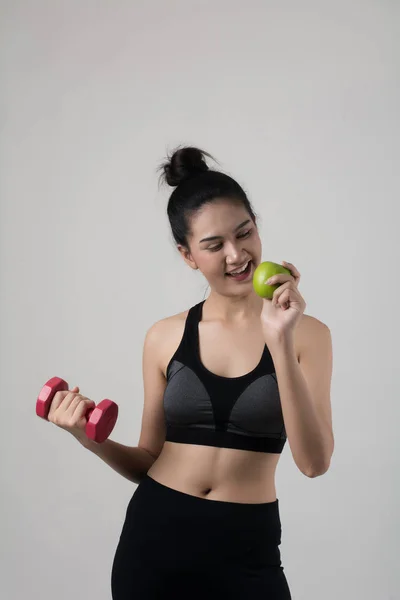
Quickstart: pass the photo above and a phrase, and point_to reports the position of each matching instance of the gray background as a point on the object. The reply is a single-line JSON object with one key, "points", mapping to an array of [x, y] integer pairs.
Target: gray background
{"points": [[297, 100]]}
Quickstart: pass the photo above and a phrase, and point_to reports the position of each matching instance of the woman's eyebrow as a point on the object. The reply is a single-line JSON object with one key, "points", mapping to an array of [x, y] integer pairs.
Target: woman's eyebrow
{"points": [[217, 237]]}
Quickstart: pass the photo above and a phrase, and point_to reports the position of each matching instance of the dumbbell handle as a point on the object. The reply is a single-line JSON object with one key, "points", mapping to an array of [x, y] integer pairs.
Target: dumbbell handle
{"points": [[100, 419]]}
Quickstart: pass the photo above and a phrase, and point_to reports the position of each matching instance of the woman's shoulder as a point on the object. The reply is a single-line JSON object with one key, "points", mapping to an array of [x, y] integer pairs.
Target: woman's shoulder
{"points": [[308, 322], [171, 322], [308, 329], [168, 332]]}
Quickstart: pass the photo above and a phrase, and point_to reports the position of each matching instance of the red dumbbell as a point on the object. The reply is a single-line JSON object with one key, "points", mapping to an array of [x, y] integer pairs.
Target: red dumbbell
{"points": [[100, 419]]}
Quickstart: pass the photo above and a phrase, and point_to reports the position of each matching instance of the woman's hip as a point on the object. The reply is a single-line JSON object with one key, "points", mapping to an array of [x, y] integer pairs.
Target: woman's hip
{"points": [[161, 519], [180, 546]]}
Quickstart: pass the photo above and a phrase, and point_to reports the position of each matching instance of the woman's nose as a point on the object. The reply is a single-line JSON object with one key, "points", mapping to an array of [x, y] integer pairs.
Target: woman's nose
{"points": [[234, 252]]}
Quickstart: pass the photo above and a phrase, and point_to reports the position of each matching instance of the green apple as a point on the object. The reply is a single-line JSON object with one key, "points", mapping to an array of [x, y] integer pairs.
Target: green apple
{"points": [[264, 271]]}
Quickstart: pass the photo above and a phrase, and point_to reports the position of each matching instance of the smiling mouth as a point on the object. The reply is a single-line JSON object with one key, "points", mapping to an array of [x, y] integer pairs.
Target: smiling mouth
{"points": [[243, 274], [239, 268]]}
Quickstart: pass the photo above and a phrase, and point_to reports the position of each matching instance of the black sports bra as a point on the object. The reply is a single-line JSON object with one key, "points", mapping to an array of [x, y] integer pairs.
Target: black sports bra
{"points": [[203, 408]]}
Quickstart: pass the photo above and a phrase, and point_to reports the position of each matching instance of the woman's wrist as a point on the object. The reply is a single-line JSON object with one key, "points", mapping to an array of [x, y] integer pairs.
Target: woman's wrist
{"points": [[85, 441]]}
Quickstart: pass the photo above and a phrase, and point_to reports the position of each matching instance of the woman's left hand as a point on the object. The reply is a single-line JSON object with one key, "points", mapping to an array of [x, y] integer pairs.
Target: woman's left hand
{"points": [[280, 315]]}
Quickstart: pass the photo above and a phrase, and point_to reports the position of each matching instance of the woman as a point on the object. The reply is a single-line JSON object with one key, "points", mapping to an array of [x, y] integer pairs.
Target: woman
{"points": [[206, 512], [226, 383]]}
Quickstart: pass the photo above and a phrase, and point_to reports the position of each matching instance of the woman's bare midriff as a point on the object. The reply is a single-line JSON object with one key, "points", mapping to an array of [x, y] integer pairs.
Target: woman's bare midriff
{"points": [[225, 474]]}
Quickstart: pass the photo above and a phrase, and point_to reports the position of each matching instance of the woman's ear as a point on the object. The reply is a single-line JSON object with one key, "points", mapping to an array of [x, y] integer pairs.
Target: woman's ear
{"points": [[187, 257]]}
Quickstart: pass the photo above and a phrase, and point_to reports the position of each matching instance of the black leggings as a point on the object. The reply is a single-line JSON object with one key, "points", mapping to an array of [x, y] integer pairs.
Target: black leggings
{"points": [[175, 545]]}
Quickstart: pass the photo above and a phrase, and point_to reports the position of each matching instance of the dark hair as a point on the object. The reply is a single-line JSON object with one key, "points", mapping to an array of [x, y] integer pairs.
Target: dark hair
{"points": [[195, 185]]}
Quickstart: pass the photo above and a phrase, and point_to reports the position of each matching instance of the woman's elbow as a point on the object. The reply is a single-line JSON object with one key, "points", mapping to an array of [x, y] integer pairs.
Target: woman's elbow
{"points": [[316, 470]]}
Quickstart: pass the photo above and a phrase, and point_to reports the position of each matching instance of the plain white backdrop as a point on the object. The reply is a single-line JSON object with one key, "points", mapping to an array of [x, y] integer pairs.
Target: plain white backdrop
{"points": [[299, 101]]}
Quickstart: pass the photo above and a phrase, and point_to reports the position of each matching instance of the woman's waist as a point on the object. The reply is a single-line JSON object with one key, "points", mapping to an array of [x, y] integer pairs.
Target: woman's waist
{"points": [[211, 473]]}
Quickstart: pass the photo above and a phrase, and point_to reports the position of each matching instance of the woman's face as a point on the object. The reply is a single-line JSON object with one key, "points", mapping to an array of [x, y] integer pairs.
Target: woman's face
{"points": [[235, 242]]}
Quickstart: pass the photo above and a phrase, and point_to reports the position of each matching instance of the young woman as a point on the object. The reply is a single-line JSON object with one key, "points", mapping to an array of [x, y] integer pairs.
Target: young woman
{"points": [[226, 383]]}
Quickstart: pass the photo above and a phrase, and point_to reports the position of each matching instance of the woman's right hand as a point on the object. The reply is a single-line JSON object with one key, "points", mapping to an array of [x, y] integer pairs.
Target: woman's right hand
{"points": [[68, 410]]}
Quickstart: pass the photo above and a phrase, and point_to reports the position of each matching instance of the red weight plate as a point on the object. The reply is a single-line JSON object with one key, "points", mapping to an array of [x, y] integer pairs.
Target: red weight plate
{"points": [[47, 393], [101, 421]]}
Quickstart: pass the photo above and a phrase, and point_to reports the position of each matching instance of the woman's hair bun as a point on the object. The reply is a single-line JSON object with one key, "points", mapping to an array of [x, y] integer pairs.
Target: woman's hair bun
{"points": [[183, 164]]}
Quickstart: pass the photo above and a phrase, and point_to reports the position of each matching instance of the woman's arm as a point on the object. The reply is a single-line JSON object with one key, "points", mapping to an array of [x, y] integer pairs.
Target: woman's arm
{"points": [[304, 388], [131, 462]]}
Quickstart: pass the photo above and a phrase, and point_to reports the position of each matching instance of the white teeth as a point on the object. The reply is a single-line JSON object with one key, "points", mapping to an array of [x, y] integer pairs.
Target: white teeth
{"points": [[241, 270]]}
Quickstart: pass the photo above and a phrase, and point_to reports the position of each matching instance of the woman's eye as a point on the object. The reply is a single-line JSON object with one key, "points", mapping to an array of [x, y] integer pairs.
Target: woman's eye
{"points": [[219, 246]]}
